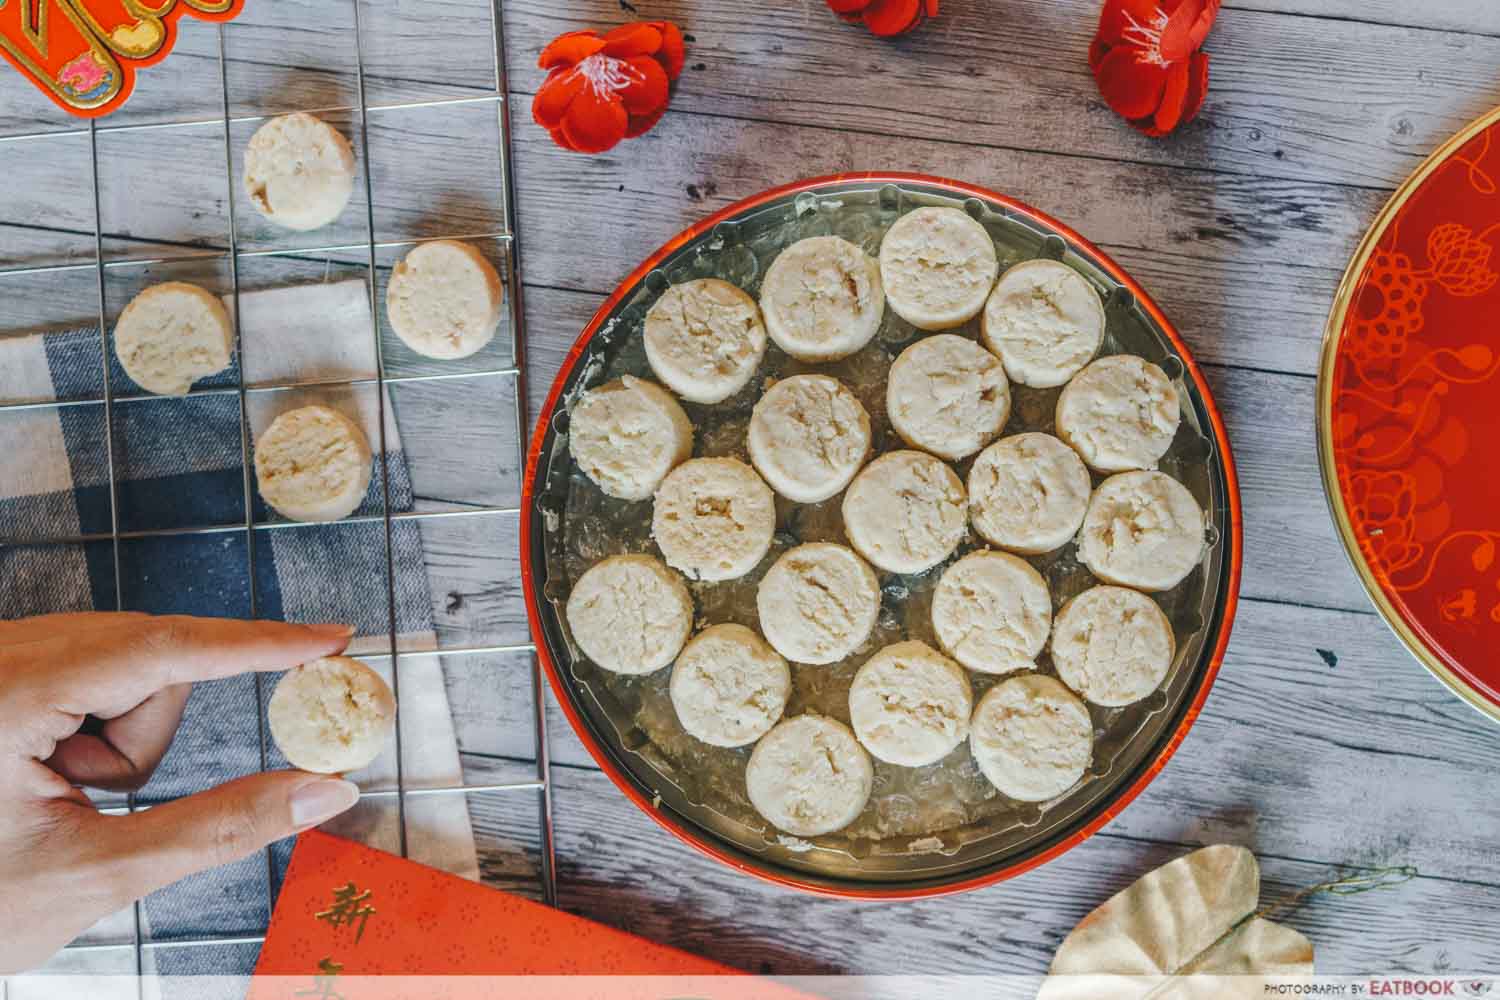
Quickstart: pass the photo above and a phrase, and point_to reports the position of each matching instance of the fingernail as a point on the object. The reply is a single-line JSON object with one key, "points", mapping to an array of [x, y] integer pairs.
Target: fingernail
{"points": [[325, 798], [332, 631]]}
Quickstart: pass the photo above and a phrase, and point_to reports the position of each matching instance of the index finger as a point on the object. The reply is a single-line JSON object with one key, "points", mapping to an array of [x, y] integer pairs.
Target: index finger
{"points": [[110, 670]]}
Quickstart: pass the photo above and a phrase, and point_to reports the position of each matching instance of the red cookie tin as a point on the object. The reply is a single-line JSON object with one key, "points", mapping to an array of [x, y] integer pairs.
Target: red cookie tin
{"points": [[561, 532]]}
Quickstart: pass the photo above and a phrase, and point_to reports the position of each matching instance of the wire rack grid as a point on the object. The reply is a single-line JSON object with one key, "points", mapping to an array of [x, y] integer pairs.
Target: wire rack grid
{"points": [[505, 238]]}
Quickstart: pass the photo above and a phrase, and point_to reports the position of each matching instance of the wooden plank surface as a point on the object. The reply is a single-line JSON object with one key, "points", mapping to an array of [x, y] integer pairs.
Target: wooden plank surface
{"points": [[1322, 744]]}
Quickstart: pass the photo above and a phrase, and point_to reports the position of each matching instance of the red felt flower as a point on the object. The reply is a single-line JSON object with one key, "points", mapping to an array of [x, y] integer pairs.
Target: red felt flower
{"points": [[604, 88], [1147, 61], [885, 17]]}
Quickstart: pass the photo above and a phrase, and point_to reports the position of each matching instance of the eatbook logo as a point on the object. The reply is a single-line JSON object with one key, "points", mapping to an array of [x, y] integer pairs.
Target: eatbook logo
{"points": [[84, 54]]}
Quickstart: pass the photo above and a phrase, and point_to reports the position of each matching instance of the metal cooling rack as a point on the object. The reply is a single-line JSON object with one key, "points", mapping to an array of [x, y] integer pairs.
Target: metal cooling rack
{"points": [[506, 239]]}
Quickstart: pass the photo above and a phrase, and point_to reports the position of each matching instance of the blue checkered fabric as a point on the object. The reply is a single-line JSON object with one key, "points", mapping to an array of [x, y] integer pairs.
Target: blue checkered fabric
{"points": [[177, 465]]}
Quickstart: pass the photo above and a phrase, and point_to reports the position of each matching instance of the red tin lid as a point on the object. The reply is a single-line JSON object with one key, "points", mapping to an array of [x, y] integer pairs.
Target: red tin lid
{"points": [[1408, 394]]}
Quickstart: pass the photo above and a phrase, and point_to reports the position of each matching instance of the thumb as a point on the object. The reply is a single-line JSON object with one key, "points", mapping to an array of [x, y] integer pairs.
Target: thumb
{"points": [[153, 848]]}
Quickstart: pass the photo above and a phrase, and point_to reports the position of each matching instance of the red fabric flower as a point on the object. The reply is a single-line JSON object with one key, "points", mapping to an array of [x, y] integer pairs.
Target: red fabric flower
{"points": [[604, 88], [1147, 62], [885, 17]]}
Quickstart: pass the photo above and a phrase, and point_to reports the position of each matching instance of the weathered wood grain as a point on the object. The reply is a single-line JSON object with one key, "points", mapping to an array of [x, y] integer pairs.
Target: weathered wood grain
{"points": [[1477, 17], [1363, 118], [617, 867]]}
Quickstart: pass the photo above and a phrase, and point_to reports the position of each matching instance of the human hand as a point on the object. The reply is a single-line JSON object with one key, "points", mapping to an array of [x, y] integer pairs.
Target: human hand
{"points": [[63, 864]]}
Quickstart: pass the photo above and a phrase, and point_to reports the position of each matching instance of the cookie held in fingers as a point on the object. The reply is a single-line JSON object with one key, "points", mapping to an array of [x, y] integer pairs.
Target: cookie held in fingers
{"points": [[299, 171], [937, 266], [331, 716], [444, 300], [171, 335], [822, 299], [704, 339], [313, 464], [630, 614], [809, 776], [626, 435]]}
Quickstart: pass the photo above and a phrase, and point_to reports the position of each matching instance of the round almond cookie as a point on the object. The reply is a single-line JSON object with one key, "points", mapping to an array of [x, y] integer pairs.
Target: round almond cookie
{"points": [[714, 518], [992, 612], [822, 299], [808, 437], [809, 776], [332, 715], [171, 335], [818, 603], [626, 435], [313, 464], [444, 300], [1119, 413], [1112, 645], [937, 266], [905, 512], [630, 614], [728, 687], [1142, 530], [947, 395], [1045, 321], [1032, 737], [704, 339], [1028, 493], [299, 171], [910, 704]]}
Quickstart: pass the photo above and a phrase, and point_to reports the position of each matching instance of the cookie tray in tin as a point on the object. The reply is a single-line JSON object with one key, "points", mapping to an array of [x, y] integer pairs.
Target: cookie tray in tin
{"points": [[928, 830]]}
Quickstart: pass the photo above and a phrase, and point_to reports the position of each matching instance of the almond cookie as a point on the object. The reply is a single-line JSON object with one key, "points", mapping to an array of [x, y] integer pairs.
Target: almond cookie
{"points": [[728, 687], [1045, 321], [910, 705], [1112, 645], [1028, 493], [808, 437], [1142, 530], [444, 300], [313, 464], [905, 512], [992, 612], [332, 715], [948, 396], [937, 266], [1032, 737], [626, 435], [822, 299], [630, 614], [714, 518], [809, 776], [299, 171], [1119, 413], [171, 335], [818, 603], [704, 339]]}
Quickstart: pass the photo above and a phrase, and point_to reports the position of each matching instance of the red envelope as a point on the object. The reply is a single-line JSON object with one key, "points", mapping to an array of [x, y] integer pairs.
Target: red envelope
{"points": [[371, 913]]}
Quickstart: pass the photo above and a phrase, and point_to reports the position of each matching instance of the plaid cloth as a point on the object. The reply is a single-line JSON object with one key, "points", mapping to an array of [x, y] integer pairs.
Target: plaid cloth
{"points": [[177, 464]]}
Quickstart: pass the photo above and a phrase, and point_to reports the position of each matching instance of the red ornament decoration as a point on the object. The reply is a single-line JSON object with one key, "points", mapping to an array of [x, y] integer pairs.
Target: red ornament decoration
{"points": [[885, 17], [604, 88], [1147, 61]]}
